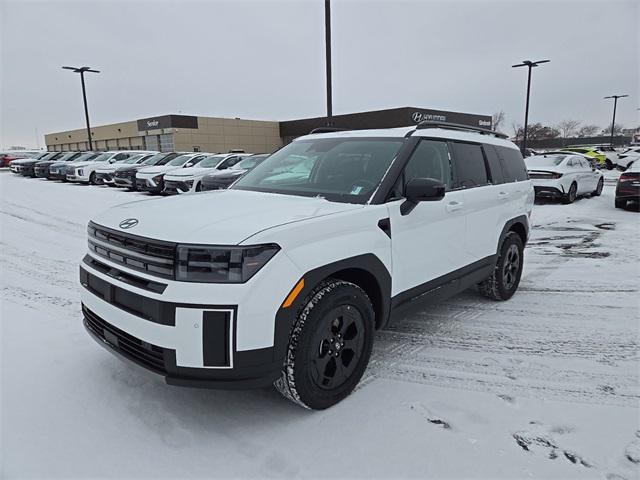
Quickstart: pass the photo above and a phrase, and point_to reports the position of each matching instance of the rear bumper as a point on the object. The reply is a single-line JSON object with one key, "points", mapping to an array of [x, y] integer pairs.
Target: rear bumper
{"points": [[544, 191]]}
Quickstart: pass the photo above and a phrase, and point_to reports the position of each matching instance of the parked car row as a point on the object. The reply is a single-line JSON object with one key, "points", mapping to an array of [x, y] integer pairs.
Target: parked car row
{"points": [[150, 171]]}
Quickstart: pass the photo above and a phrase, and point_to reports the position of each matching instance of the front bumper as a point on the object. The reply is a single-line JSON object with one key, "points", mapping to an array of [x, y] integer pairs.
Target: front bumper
{"points": [[149, 185], [128, 181], [104, 178], [42, 172], [176, 186], [220, 338], [28, 171]]}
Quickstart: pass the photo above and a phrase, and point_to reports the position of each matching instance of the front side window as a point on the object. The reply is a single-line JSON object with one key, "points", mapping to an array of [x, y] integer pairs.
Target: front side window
{"points": [[430, 159], [338, 169], [469, 164]]}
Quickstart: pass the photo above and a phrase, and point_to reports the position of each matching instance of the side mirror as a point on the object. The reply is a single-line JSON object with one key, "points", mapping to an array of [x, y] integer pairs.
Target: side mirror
{"points": [[421, 190]]}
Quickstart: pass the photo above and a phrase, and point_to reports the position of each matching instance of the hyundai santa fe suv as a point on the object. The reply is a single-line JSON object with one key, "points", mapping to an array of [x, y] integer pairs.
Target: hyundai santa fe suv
{"points": [[284, 278]]}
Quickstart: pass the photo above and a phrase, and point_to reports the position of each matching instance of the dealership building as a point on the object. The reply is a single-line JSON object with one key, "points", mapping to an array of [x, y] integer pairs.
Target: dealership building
{"points": [[186, 133]]}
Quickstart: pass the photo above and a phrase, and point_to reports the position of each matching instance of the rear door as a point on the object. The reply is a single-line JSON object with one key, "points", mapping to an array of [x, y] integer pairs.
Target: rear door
{"points": [[485, 197]]}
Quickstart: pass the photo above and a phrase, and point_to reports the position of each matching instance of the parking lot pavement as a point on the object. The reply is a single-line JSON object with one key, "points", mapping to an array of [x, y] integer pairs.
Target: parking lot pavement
{"points": [[544, 385]]}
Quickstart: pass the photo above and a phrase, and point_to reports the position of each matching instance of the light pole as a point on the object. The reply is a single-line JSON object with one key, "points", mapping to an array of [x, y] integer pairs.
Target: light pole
{"points": [[530, 65], [327, 49], [615, 105], [81, 71]]}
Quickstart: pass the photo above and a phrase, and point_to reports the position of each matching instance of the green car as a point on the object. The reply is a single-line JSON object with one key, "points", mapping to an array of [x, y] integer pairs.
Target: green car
{"points": [[598, 156]]}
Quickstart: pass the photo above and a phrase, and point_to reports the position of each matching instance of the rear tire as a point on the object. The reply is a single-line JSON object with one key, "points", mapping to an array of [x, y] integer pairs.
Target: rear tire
{"points": [[571, 195], [329, 345], [598, 190], [621, 203], [504, 280]]}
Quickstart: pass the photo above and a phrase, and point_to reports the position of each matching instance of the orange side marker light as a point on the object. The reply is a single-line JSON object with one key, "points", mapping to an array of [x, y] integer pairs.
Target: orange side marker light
{"points": [[294, 294]]}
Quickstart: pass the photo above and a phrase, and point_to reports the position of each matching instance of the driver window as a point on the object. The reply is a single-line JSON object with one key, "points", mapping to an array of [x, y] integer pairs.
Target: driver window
{"points": [[430, 159]]}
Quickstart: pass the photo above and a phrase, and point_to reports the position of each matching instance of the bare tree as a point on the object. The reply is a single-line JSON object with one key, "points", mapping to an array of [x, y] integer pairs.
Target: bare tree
{"points": [[617, 130], [517, 130], [567, 127], [497, 119], [588, 130]]}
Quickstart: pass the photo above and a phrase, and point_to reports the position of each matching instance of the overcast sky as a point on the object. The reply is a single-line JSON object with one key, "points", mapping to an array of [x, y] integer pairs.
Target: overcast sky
{"points": [[265, 60]]}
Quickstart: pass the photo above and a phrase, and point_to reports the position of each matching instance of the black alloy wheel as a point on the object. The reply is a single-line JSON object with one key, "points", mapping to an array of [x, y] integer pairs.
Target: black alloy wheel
{"points": [[340, 344]]}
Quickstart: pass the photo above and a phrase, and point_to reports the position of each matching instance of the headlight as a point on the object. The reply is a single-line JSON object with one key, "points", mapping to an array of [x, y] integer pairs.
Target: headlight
{"points": [[80, 172], [215, 264]]}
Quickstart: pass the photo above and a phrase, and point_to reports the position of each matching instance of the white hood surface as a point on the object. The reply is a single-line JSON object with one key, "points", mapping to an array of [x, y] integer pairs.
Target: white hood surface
{"points": [[89, 162], [192, 172], [223, 217], [156, 170]]}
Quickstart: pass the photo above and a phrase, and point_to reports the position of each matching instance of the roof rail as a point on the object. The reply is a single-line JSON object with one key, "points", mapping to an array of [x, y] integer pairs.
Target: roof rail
{"points": [[457, 126], [326, 130]]}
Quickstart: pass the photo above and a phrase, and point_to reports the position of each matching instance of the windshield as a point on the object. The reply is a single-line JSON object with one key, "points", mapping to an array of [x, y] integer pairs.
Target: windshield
{"points": [[158, 159], [84, 157], [103, 157], [248, 163], [133, 159], [181, 160], [211, 162], [545, 160], [338, 169], [67, 156]]}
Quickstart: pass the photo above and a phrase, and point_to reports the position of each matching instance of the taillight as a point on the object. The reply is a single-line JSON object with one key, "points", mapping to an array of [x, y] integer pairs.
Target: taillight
{"points": [[628, 176]]}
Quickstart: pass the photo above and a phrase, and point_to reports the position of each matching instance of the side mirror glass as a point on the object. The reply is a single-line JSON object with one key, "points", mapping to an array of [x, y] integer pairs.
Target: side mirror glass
{"points": [[421, 190]]}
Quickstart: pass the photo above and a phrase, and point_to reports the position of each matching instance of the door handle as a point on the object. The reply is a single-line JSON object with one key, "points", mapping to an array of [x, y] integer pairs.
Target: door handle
{"points": [[503, 195], [454, 206]]}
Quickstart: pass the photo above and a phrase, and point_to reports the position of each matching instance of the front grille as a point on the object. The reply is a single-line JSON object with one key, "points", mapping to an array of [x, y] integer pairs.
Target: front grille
{"points": [[146, 354], [154, 257], [70, 169], [124, 174], [177, 185], [141, 183]]}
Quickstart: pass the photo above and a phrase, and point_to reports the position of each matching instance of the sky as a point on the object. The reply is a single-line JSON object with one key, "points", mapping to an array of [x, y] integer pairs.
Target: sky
{"points": [[264, 60]]}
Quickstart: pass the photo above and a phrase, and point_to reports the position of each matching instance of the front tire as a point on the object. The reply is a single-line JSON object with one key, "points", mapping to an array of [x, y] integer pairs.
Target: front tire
{"points": [[329, 345], [92, 178], [598, 190], [571, 195], [504, 280]]}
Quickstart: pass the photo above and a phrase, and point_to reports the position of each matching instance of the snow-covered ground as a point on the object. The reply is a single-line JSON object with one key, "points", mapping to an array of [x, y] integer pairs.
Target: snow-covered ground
{"points": [[544, 385]]}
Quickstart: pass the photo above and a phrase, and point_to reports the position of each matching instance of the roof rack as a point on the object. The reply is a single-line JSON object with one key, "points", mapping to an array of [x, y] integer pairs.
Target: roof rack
{"points": [[326, 130], [457, 126]]}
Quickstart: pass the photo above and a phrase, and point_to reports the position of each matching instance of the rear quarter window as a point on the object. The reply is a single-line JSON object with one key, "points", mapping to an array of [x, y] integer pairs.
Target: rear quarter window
{"points": [[512, 164], [495, 165], [469, 165]]}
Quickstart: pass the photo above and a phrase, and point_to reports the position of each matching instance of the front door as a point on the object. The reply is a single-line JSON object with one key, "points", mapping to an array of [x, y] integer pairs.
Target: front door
{"points": [[427, 242]]}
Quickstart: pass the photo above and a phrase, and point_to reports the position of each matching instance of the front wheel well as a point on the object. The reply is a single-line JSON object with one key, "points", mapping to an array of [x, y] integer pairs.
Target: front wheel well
{"points": [[368, 282], [521, 230]]}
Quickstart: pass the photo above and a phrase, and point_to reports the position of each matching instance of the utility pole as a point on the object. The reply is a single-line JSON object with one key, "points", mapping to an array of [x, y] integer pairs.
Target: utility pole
{"points": [[530, 65], [327, 48], [81, 71], [615, 105]]}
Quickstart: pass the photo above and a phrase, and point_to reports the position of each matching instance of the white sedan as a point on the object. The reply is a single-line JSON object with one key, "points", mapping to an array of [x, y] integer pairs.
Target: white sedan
{"points": [[189, 179], [565, 176], [626, 158]]}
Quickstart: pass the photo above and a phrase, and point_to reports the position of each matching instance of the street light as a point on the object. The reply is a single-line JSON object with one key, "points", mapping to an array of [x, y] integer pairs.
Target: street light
{"points": [[530, 65], [81, 71], [327, 49], [615, 104]]}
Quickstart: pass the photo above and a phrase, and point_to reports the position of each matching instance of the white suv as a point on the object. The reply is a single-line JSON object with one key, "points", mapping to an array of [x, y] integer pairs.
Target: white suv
{"points": [[284, 277], [85, 172]]}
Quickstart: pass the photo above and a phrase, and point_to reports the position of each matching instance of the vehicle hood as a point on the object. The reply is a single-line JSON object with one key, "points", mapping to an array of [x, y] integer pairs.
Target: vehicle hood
{"points": [[157, 170], [223, 217], [190, 172], [84, 164], [226, 174], [44, 163], [107, 168]]}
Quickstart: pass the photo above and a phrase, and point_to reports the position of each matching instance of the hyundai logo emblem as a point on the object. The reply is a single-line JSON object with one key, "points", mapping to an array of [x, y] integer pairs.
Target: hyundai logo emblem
{"points": [[129, 223]]}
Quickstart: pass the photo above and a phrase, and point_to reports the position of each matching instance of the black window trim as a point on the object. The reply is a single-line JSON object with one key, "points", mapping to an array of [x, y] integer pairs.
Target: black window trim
{"points": [[455, 169]]}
